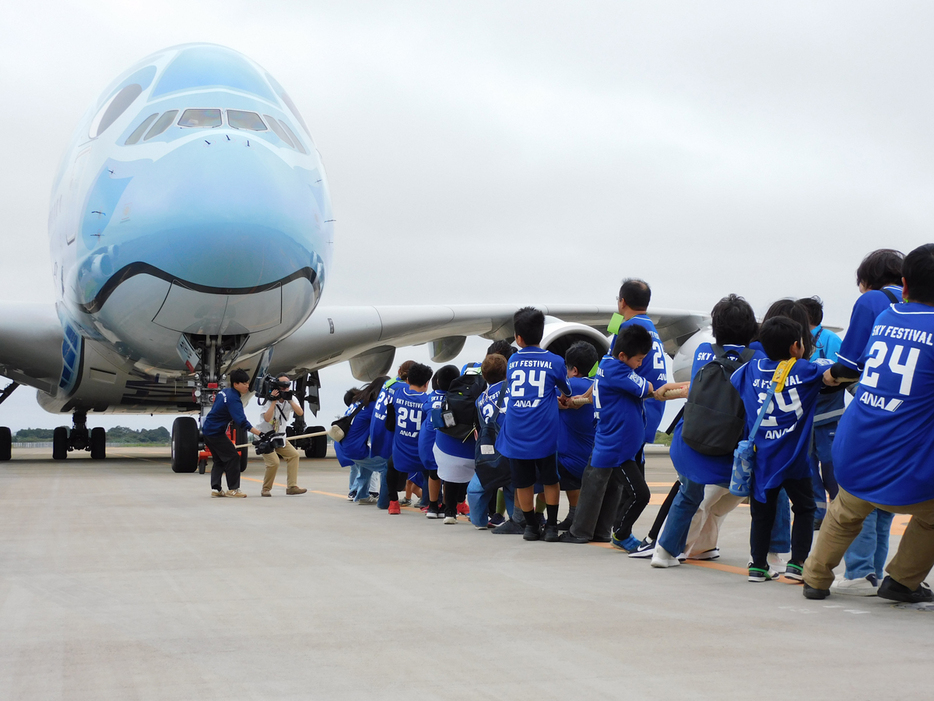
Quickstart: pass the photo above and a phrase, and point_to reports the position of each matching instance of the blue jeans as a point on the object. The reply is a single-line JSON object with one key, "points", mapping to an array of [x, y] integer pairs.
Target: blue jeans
{"points": [[354, 473], [365, 469], [780, 540], [822, 466], [866, 555], [478, 499], [675, 533]]}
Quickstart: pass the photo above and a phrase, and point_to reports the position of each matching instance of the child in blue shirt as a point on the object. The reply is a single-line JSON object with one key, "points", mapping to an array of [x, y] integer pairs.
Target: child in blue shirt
{"points": [[407, 402], [426, 438], [530, 428], [617, 396], [577, 427], [884, 449], [781, 442]]}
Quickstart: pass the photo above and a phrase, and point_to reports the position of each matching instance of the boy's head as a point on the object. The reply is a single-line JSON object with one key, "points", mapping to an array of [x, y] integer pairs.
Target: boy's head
{"points": [[404, 370], [503, 348], [580, 359], [529, 323], [240, 380], [919, 274], [880, 268], [782, 338], [792, 310], [635, 293], [350, 394], [633, 343], [493, 369], [444, 377], [814, 306], [418, 375], [733, 321]]}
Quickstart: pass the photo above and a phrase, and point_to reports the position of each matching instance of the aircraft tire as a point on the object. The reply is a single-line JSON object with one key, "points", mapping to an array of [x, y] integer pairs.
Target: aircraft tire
{"points": [[244, 452], [6, 444], [184, 444], [60, 443], [98, 443], [319, 444]]}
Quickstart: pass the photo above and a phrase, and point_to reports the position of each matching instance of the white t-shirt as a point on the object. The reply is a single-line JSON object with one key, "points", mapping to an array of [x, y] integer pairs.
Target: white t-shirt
{"points": [[281, 418]]}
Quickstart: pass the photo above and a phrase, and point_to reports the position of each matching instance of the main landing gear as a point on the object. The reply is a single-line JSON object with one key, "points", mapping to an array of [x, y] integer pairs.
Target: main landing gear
{"points": [[79, 438], [6, 436]]}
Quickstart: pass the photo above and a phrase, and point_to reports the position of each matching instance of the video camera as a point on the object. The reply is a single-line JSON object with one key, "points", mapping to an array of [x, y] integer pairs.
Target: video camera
{"points": [[270, 384]]}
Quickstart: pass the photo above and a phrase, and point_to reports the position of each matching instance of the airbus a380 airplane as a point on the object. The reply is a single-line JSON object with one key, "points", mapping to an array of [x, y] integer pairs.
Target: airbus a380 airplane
{"points": [[191, 232]]}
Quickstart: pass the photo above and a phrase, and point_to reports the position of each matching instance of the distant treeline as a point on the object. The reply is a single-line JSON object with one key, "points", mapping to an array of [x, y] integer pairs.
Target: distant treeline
{"points": [[117, 434]]}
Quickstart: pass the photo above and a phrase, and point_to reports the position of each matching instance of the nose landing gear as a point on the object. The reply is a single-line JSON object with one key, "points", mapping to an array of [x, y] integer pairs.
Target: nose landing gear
{"points": [[79, 438]]}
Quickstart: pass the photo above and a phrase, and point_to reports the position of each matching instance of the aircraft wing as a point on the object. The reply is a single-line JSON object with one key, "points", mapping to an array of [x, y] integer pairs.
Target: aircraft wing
{"points": [[31, 344], [368, 336]]}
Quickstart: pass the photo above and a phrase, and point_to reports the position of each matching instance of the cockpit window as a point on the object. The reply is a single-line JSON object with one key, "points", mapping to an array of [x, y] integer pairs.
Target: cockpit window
{"points": [[277, 128], [239, 119], [138, 132], [200, 118], [298, 144], [163, 123], [117, 105]]}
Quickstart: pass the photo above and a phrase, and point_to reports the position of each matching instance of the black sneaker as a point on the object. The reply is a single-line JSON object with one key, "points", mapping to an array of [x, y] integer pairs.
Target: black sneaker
{"points": [[550, 534], [568, 537], [509, 528], [646, 548], [814, 593], [893, 591], [566, 524], [531, 532]]}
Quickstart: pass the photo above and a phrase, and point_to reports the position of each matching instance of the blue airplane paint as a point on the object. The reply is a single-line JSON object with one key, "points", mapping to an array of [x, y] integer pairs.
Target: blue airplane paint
{"points": [[223, 213]]}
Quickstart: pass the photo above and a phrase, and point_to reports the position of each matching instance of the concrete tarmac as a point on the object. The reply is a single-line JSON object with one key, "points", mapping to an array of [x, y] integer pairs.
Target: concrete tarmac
{"points": [[122, 580]]}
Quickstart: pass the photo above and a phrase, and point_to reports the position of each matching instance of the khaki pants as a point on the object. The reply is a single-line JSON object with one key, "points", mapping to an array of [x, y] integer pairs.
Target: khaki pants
{"points": [[705, 526], [842, 524], [272, 466]]}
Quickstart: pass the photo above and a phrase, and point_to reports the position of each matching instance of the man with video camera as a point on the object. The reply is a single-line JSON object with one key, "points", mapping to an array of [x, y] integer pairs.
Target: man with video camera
{"points": [[276, 417]]}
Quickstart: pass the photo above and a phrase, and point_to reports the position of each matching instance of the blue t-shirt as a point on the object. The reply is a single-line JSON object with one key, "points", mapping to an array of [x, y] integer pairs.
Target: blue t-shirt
{"points": [[530, 428], [227, 408], [829, 406], [355, 444], [617, 396], [785, 433], [697, 467], [884, 448], [576, 430], [654, 369], [380, 437], [486, 404], [869, 305], [426, 437], [409, 417]]}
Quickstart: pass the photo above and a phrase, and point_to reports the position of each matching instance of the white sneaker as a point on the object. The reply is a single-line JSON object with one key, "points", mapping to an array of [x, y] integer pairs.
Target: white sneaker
{"points": [[864, 586], [663, 558], [366, 501], [450, 520], [777, 561], [235, 493]]}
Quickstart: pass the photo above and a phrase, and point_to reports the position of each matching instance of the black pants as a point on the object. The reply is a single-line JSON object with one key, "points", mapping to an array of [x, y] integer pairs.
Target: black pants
{"points": [[395, 481], [226, 460], [636, 497], [601, 488], [454, 494], [801, 493]]}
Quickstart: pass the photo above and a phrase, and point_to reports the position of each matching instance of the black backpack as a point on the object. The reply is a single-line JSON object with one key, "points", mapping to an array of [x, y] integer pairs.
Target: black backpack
{"points": [[457, 416], [714, 415]]}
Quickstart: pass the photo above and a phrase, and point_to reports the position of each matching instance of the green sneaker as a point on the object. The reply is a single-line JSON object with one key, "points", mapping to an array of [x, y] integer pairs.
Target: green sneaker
{"points": [[759, 574], [794, 571]]}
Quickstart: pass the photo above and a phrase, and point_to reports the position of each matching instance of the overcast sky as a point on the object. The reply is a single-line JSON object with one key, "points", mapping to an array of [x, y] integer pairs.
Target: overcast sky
{"points": [[533, 152]]}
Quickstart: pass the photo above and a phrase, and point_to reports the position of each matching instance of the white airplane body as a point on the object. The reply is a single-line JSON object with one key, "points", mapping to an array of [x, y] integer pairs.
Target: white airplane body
{"points": [[191, 232]]}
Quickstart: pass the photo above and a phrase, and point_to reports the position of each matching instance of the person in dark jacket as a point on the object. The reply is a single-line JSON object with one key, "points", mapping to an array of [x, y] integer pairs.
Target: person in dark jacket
{"points": [[228, 407]]}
